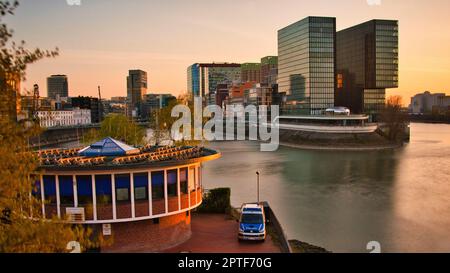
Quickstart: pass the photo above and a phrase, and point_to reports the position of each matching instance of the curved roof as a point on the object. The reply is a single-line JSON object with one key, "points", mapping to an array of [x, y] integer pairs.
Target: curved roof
{"points": [[148, 157], [108, 147]]}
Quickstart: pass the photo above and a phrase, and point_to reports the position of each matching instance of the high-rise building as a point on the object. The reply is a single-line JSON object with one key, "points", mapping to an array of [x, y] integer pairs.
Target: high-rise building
{"points": [[136, 89], [367, 64], [306, 65], [251, 72], [269, 70], [203, 78], [57, 86]]}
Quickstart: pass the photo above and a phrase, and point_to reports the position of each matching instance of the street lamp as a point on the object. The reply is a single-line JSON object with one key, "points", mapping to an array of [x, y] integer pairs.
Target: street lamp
{"points": [[257, 185]]}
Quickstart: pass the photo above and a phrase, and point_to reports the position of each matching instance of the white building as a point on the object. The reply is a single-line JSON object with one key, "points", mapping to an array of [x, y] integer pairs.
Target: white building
{"points": [[61, 118], [425, 102]]}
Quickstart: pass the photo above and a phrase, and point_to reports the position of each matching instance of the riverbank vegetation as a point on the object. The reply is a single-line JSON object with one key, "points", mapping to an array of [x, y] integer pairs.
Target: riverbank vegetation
{"points": [[118, 127], [394, 120]]}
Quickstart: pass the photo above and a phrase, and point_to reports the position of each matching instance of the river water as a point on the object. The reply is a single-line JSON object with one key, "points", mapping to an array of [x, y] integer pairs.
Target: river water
{"points": [[343, 200]]}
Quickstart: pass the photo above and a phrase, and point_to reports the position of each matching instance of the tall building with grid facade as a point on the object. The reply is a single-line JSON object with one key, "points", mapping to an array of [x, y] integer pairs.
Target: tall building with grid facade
{"points": [[57, 86], [306, 65], [367, 64], [136, 89]]}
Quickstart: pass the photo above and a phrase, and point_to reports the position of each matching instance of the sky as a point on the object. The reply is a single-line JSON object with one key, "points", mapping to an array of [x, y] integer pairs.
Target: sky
{"points": [[100, 40]]}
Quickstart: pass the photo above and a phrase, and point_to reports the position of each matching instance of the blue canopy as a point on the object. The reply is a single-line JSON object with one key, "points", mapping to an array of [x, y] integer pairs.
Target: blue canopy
{"points": [[108, 147]]}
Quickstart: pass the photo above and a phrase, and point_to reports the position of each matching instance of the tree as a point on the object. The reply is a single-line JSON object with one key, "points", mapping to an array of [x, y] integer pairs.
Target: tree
{"points": [[394, 119], [118, 127], [22, 229]]}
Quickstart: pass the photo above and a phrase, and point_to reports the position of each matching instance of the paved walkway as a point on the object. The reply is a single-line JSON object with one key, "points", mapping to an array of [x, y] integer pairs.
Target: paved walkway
{"points": [[217, 233]]}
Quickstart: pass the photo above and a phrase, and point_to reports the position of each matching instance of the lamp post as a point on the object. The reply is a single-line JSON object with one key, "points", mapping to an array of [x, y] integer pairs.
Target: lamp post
{"points": [[257, 185]]}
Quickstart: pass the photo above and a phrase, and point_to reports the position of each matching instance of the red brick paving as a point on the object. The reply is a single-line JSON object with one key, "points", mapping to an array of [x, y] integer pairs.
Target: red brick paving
{"points": [[217, 233]]}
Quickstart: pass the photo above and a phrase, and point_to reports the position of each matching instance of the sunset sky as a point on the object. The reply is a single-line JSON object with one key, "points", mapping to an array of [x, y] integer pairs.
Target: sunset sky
{"points": [[101, 40]]}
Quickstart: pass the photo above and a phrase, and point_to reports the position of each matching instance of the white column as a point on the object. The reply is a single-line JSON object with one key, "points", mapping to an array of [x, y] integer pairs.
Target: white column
{"points": [[166, 197], [150, 204], [133, 213], [41, 178], [197, 183], [178, 189], [75, 191], [113, 195], [94, 198], [58, 198]]}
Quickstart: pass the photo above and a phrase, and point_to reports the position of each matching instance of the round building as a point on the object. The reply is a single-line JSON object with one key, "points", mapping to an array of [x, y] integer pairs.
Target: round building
{"points": [[142, 197]]}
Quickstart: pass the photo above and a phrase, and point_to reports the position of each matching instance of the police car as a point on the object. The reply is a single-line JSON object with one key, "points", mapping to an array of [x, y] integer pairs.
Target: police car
{"points": [[252, 223]]}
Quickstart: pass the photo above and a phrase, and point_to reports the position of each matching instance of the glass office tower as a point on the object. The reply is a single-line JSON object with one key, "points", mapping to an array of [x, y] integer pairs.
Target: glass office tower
{"points": [[57, 86], [367, 64], [306, 65], [193, 86], [203, 78]]}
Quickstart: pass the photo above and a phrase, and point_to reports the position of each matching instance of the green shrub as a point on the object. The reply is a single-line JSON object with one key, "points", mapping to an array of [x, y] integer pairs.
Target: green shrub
{"points": [[216, 201]]}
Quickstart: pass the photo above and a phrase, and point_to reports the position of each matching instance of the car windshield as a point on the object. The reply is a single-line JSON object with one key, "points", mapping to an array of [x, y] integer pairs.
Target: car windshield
{"points": [[252, 218]]}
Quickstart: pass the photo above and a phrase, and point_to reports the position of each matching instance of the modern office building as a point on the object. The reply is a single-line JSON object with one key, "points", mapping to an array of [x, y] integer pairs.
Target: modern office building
{"points": [[306, 65], [88, 103], [142, 198], [57, 87], [367, 64], [193, 80], [269, 70], [251, 72], [203, 78], [136, 89]]}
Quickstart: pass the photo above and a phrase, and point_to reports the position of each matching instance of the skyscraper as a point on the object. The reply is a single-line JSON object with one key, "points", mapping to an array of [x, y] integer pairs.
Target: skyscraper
{"points": [[203, 78], [136, 89], [367, 64], [306, 65], [57, 86]]}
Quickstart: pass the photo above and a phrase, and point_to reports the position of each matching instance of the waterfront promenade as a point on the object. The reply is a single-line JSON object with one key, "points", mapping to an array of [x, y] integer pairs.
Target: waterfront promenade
{"points": [[217, 233]]}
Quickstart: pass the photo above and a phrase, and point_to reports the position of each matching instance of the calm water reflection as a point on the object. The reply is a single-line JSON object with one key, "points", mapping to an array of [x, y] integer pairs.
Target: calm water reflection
{"points": [[342, 200]]}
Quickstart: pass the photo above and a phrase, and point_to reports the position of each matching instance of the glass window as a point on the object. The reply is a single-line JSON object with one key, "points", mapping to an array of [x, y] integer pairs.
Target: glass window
{"points": [[122, 187], [172, 187], [50, 189], [191, 179], [66, 190], [36, 189], [84, 189], [184, 180], [158, 185], [103, 189], [141, 186]]}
